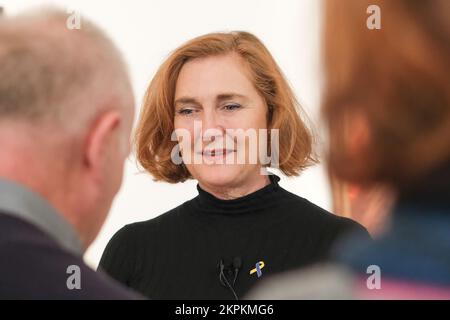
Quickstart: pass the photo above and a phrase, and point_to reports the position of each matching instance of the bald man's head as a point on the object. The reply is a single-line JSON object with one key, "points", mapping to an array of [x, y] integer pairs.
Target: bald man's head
{"points": [[58, 75], [66, 111]]}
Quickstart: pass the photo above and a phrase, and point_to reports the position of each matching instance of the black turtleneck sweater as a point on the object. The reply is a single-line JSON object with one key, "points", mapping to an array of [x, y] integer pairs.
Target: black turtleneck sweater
{"points": [[178, 254]]}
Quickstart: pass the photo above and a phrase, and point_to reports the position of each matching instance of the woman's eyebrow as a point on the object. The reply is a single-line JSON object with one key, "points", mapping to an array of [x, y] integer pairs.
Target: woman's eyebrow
{"points": [[229, 96], [186, 100], [219, 98]]}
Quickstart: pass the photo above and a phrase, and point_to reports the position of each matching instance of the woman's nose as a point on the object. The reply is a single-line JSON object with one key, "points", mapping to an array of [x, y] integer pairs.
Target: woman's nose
{"points": [[212, 126]]}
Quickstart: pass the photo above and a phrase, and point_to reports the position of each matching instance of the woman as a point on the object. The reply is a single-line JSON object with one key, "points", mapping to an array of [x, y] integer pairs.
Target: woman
{"points": [[242, 225]]}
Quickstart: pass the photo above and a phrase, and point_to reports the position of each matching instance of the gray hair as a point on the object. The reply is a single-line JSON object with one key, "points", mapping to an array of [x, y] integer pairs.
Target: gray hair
{"points": [[50, 72]]}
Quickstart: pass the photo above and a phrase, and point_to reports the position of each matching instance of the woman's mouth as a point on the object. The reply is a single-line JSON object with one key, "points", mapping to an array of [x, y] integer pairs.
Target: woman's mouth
{"points": [[216, 153]]}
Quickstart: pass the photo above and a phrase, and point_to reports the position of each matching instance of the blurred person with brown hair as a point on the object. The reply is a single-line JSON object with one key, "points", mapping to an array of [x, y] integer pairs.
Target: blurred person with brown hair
{"points": [[387, 107]]}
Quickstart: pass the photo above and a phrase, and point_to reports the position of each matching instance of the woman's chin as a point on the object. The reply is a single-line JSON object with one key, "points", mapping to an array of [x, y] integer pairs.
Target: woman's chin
{"points": [[220, 175]]}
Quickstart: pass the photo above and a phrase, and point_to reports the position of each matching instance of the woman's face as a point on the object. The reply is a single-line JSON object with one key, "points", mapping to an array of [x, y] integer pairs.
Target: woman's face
{"points": [[216, 94]]}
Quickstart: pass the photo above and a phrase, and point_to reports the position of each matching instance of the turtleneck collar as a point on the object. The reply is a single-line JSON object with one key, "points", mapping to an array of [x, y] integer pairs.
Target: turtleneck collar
{"points": [[249, 203]]}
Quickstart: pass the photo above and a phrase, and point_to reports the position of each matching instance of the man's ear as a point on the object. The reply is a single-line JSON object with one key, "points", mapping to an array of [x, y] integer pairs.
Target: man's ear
{"points": [[101, 139]]}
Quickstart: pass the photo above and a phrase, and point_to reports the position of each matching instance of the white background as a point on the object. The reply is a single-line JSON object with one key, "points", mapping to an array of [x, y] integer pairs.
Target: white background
{"points": [[147, 31]]}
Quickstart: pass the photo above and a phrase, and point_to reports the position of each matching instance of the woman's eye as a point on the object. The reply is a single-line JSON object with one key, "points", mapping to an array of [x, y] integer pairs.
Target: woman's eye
{"points": [[231, 107], [185, 112]]}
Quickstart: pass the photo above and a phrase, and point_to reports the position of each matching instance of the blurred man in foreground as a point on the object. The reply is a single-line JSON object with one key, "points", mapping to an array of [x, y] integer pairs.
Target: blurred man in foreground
{"points": [[66, 110]]}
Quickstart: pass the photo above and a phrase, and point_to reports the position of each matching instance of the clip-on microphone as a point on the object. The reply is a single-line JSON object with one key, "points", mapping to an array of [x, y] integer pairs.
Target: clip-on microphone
{"points": [[235, 267]]}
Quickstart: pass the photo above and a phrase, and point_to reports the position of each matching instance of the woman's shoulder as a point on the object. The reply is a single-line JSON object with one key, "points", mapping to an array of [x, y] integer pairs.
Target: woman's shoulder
{"points": [[161, 221], [128, 243], [317, 217]]}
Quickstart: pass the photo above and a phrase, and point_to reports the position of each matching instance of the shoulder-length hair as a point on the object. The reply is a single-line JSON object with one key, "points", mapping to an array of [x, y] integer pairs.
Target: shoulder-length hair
{"points": [[156, 124], [396, 79]]}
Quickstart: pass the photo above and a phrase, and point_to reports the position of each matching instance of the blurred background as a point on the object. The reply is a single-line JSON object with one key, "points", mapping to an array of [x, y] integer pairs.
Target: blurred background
{"points": [[146, 31]]}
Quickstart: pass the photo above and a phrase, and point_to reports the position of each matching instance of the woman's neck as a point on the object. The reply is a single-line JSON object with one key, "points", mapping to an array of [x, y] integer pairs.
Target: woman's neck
{"points": [[237, 191]]}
